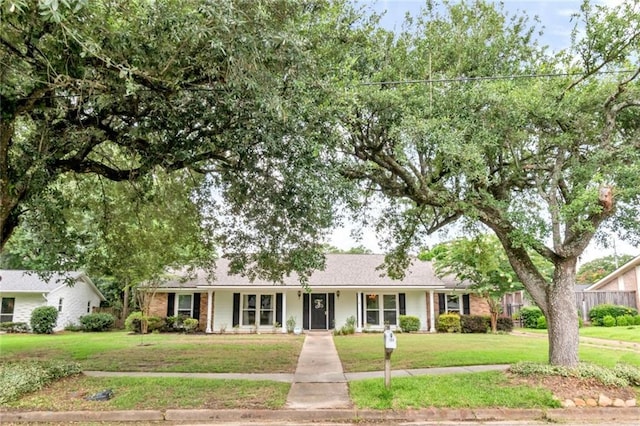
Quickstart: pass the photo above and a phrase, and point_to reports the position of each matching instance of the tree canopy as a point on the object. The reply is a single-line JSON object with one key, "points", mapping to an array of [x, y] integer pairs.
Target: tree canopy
{"points": [[465, 117], [233, 90], [596, 269]]}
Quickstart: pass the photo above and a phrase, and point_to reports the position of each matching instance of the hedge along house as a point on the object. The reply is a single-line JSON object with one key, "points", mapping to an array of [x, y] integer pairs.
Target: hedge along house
{"points": [[73, 294], [351, 285]]}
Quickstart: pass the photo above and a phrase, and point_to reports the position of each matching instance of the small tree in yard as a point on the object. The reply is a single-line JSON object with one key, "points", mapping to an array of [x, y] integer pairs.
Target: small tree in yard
{"points": [[481, 262]]}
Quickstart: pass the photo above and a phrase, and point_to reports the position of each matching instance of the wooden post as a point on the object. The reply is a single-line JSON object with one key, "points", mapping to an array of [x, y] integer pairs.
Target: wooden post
{"points": [[387, 368]]}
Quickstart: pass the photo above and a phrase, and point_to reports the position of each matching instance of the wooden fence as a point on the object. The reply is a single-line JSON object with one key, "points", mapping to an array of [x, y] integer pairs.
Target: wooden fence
{"points": [[585, 300]]}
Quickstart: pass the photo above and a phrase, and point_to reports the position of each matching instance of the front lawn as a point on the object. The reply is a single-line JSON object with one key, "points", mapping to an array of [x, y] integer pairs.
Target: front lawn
{"points": [[628, 334], [474, 390], [365, 352], [121, 351]]}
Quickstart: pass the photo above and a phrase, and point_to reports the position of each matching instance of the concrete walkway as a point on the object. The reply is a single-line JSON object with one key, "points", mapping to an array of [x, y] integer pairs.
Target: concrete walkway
{"points": [[319, 381]]}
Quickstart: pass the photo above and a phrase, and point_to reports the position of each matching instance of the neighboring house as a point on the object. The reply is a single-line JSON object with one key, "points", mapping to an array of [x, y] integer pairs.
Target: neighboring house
{"points": [[350, 285], [72, 293], [619, 287]]}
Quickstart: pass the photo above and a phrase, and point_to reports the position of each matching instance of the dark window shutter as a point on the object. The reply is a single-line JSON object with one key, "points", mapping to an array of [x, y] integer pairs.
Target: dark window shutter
{"points": [[236, 309], [279, 308], [441, 303], [363, 311], [332, 315], [196, 306], [305, 310], [402, 304], [171, 304], [467, 305]]}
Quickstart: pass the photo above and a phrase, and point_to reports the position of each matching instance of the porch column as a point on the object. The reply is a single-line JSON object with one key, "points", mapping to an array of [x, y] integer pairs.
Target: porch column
{"points": [[461, 301], [284, 312], [432, 314], [359, 311], [209, 311]]}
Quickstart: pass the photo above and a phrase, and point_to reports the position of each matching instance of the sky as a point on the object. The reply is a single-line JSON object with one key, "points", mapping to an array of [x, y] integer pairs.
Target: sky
{"points": [[555, 18]]}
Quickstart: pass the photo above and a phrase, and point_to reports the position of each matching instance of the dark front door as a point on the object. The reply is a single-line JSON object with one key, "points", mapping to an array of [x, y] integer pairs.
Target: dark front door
{"points": [[319, 308]]}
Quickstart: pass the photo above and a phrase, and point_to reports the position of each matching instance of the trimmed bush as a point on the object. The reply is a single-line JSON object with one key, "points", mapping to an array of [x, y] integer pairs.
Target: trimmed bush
{"points": [[622, 321], [43, 319], [190, 325], [14, 327], [132, 323], [608, 321], [636, 320], [409, 323], [529, 316], [597, 313], [474, 323], [97, 322], [505, 324], [541, 324], [19, 378], [448, 323]]}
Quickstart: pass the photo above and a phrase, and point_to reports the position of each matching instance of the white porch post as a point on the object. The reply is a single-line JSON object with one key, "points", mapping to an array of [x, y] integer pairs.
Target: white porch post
{"points": [[432, 314], [359, 312], [461, 300], [209, 311], [284, 312]]}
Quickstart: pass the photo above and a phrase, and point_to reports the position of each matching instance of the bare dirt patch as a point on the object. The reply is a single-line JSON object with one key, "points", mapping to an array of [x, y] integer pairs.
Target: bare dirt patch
{"points": [[572, 387]]}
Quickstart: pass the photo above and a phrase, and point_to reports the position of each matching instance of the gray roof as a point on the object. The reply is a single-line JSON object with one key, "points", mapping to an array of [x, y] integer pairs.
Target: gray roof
{"points": [[341, 270], [17, 281]]}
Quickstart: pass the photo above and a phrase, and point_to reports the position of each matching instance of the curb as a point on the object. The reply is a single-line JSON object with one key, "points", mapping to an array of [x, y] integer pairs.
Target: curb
{"points": [[601, 414]]}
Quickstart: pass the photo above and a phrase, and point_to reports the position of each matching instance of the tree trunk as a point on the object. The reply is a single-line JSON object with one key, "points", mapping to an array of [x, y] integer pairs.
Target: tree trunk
{"points": [[562, 316], [125, 302]]}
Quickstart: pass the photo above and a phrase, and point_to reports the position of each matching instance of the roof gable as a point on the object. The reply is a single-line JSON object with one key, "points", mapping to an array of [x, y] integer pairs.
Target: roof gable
{"points": [[615, 274], [20, 281]]}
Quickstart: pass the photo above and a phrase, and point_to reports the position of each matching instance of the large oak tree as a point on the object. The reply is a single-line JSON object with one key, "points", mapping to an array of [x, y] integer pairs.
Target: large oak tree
{"points": [[466, 117]]}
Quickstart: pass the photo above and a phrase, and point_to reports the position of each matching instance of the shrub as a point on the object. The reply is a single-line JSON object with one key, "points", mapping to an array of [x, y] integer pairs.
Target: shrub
{"points": [[628, 372], [608, 321], [190, 325], [630, 319], [529, 316], [541, 324], [616, 377], [622, 321], [14, 327], [132, 323], [409, 323], [291, 324], [597, 313], [43, 319], [505, 324], [474, 323], [19, 378], [448, 323], [348, 328], [97, 322], [636, 320]]}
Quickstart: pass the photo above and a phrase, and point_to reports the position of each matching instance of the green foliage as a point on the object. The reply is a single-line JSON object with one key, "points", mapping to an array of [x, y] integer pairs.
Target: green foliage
{"points": [[448, 323], [134, 320], [593, 271], [623, 321], [291, 324], [474, 323], [14, 327], [608, 321], [19, 378], [529, 316], [597, 313], [505, 324], [629, 373], [541, 323], [348, 328], [43, 319], [97, 321], [609, 377], [409, 323], [190, 325], [636, 320]]}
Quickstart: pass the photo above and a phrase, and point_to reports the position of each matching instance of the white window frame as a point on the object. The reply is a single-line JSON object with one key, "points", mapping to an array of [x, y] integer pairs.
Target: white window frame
{"points": [[446, 302], [380, 310], [258, 310], [60, 304], [12, 313], [177, 305], [89, 307]]}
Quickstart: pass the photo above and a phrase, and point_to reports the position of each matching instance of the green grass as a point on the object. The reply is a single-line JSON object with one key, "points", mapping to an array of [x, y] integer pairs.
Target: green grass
{"points": [[121, 351], [628, 334], [490, 389], [154, 393], [364, 352]]}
